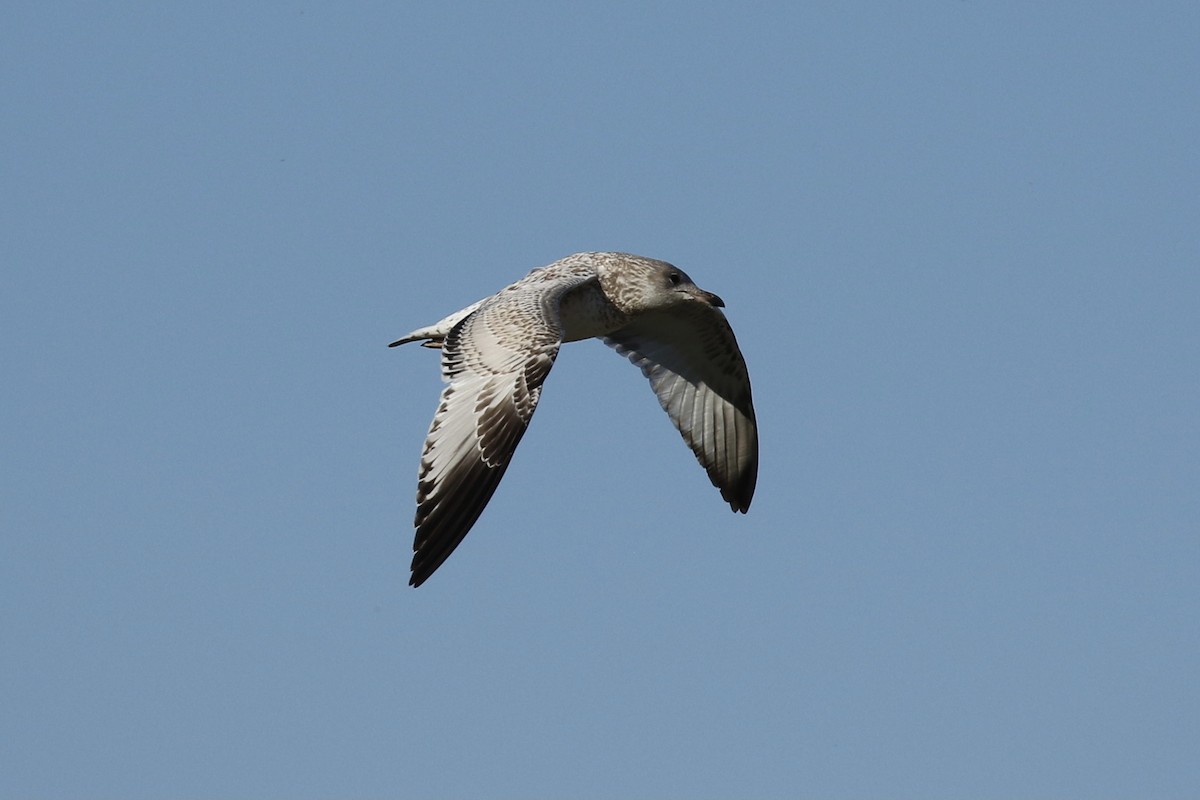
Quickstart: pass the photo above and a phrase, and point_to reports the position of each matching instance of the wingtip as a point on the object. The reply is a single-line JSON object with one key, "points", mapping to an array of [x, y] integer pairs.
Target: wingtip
{"points": [[421, 570], [740, 495]]}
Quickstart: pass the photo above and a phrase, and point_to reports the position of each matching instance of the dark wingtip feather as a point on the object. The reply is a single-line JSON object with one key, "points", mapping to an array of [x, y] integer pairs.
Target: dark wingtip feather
{"points": [[740, 493]]}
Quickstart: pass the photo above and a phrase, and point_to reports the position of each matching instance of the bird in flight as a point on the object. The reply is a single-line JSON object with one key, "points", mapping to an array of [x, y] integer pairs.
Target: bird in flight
{"points": [[497, 352]]}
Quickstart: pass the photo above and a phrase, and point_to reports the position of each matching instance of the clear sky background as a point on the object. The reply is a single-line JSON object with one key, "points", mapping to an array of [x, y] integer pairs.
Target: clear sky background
{"points": [[960, 246]]}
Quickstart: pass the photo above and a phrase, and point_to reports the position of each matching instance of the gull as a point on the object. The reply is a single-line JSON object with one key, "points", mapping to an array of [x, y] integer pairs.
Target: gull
{"points": [[497, 352]]}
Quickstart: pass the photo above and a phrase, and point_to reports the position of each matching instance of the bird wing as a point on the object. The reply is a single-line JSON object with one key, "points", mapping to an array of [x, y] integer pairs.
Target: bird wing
{"points": [[494, 361], [692, 359]]}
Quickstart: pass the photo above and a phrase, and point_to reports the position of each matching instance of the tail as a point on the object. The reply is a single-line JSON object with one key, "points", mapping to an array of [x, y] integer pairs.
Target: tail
{"points": [[431, 340], [436, 333]]}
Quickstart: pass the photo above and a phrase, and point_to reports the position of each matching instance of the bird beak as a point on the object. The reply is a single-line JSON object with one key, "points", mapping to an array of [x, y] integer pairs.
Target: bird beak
{"points": [[712, 299]]}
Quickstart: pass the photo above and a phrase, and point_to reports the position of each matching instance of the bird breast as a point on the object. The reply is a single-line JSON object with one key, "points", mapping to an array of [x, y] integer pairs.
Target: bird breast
{"points": [[586, 312]]}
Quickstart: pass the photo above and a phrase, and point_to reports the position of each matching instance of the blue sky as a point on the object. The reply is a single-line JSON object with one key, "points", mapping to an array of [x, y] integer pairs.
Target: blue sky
{"points": [[958, 243]]}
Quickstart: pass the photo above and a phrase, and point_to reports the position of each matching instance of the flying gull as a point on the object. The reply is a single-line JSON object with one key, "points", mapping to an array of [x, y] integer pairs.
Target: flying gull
{"points": [[497, 352]]}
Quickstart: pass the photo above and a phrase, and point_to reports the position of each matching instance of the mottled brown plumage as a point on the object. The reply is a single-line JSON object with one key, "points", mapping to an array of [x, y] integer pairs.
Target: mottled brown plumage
{"points": [[497, 352]]}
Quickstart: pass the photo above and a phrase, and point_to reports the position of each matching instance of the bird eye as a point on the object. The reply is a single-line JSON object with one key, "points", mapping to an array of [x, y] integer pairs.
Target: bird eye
{"points": [[674, 277]]}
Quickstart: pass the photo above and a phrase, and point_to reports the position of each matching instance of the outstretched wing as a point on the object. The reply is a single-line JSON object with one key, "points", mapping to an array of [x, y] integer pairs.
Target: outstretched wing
{"points": [[692, 359], [494, 362]]}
